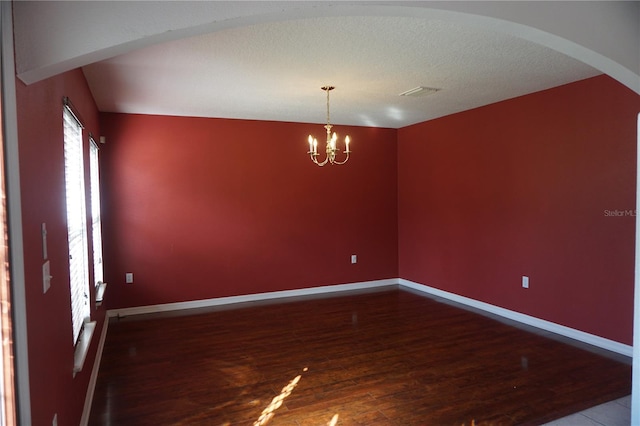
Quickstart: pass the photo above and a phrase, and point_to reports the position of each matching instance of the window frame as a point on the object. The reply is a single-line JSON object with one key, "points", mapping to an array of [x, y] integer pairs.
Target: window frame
{"points": [[96, 219], [75, 200]]}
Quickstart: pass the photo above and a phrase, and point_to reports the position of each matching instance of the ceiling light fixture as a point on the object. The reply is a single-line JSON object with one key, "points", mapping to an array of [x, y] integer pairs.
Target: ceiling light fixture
{"points": [[332, 140]]}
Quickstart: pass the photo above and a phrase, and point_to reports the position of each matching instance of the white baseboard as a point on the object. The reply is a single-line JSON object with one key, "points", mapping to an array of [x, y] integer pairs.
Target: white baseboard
{"points": [[257, 297], [571, 333], [561, 330], [88, 400]]}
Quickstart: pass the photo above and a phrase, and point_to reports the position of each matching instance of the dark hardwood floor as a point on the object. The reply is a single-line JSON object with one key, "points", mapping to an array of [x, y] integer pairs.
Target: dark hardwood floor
{"points": [[384, 358]]}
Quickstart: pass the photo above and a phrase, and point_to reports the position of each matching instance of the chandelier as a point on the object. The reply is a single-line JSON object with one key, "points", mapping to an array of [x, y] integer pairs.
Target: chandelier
{"points": [[331, 148]]}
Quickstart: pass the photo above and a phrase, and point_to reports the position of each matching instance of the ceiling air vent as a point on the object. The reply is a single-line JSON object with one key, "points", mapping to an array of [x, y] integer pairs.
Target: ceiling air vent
{"points": [[419, 91]]}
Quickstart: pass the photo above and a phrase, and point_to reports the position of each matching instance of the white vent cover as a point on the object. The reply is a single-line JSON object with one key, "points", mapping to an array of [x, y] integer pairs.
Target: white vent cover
{"points": [[419, 91]]}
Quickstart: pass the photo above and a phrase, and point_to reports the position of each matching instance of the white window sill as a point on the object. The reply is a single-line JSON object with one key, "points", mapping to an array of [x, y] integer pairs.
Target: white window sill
{"points": [[82, 347]]}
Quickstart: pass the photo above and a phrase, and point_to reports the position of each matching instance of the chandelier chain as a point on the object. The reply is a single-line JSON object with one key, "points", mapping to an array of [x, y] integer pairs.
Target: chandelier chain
{"points": [[328, 90]]}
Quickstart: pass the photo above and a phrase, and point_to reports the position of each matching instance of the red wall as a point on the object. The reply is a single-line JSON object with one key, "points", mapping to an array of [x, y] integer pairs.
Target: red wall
{"points": [[50, 341], [200, 208], [522, 187]]}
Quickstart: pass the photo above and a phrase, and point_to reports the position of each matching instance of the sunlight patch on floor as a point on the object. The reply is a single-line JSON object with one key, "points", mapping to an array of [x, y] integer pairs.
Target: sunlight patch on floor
{"points": [[277, 400], [270, 411]]}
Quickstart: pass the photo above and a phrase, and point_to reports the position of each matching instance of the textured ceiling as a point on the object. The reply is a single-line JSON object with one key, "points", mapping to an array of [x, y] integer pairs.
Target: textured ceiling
{"points": [[274, 71]]}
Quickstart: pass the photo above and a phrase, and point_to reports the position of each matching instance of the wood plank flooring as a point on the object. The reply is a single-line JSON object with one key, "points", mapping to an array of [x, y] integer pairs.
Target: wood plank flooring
{"points": [[384, 358]]}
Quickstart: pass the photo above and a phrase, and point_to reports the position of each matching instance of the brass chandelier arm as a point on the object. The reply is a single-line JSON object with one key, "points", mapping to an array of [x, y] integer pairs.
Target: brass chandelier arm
{"points": [[339, 163], [314, 158]]}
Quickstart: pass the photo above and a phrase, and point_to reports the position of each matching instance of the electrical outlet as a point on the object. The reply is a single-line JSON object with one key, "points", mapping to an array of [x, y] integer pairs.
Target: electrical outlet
{"points": [[128, 277], [525, 281], [354, 258]]}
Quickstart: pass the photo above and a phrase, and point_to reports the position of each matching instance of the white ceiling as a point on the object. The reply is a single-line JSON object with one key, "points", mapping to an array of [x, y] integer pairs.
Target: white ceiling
{"points": [[274, 71], [268, 60]]}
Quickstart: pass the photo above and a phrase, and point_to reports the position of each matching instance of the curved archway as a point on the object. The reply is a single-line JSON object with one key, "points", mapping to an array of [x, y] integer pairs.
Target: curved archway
{"points": [[47, 42]]}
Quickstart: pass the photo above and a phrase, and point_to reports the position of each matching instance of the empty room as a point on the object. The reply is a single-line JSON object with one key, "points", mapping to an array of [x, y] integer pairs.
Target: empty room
{"points": [[319, 213]]}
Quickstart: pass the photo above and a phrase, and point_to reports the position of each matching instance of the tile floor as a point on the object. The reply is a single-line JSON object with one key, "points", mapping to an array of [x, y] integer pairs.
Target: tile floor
{"points": [[614, 413]]}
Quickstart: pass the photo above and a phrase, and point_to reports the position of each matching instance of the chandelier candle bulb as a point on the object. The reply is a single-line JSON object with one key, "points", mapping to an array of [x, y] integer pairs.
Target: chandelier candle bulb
{"points": [[310, 144]]}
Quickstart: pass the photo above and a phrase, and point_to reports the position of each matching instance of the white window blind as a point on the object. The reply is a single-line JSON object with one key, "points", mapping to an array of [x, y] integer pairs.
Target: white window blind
{"points": [[96, 221], [76, 221]]}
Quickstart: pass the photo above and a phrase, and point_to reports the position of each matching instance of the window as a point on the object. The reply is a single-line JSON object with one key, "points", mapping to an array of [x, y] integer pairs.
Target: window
{"points": [[76, 220], [96, 222]]}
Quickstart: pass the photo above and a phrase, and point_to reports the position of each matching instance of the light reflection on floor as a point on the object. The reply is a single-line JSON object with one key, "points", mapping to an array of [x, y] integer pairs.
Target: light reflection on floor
{"points": [[333, 421], [276, 402], [268, 413]]}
